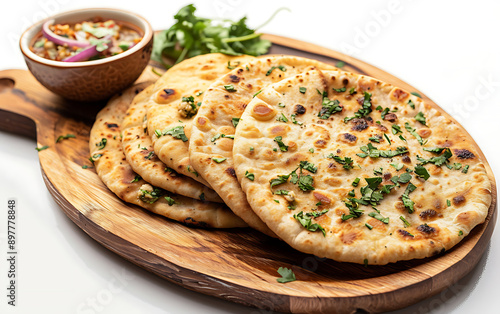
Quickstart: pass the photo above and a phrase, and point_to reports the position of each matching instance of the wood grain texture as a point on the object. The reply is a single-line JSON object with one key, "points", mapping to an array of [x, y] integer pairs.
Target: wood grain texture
{"points": [[236, 265]]}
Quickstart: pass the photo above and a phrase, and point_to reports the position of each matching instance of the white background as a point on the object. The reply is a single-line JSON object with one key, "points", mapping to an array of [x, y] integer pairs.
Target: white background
{"points": [[448, 49]]}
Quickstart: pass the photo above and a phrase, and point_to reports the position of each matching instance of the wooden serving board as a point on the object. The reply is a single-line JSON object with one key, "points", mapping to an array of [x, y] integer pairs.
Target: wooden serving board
{"points": [[235, 265]]}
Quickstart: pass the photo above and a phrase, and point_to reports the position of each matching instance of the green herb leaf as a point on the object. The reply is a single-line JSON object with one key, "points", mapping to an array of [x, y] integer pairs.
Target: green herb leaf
{"points": [[287, 275], [308, 166], [416, 94], [396, 129], [230, 88], [235, 121], [137, 178], [339, 90], [465, 169], [407, 202], [448, 203], [329, 107], [439, 160], [282, 118], [398, 166], [302, 90], [414, 133], [176, 132], [281, 67], [367, 225], [294, 121], [355, 182], [41, 148], [280, 180], [365, 110], [218, 160], [421, 118], [282, 146], [422, 172], [346, 162], [65, 137], [306, 183], [306, 222], [373, 152], [411, 104], [340, 64], [407, 224], [170, 200], [379, 217], [250, 176]]}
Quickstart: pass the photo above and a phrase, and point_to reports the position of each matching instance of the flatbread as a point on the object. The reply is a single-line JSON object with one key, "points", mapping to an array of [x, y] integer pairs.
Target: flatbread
{"points": [[446, 206], [138, 150], [167, 110], [116, 173], [218, 115]]}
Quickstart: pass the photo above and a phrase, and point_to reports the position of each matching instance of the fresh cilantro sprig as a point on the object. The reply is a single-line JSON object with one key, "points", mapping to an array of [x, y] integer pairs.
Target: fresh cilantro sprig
{"points": [[192, 35]]}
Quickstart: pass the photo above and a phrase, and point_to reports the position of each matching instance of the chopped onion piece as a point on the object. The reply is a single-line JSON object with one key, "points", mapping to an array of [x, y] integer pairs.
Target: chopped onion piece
{"points": [[59, 40], [89, 52]]}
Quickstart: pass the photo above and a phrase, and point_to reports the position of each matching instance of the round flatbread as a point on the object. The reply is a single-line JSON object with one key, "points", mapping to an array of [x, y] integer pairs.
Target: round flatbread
{"points": [[371, 174], [114, 170], [174, 103], [215, 124], [138, 150]]}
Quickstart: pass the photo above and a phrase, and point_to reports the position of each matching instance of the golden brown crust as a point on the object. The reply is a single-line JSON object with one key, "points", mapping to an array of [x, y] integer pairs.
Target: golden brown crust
{"points": [[446, 206]]}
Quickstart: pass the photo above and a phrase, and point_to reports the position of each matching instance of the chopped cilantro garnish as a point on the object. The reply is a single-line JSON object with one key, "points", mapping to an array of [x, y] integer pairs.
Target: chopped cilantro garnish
{"points": [[302, 90], [436, 150], [294, 121], [281, 67], [340, 64], [251, 148], [355, 182], [232, 67], [281, 105], [151, 196], [279, 192], [65, 137], [365, 110], [249, 176], [378, 171], [414, 133], [176, 132], [308, 166], [92, 158], [280, 180], [439, 160], [448, 203], [230, 88], [137, 178], [465, 169], [407, 224], [287, 275], [374, 139], [218, 160], [306, 222], [170, 200], [282, 118], [407, 202], [317, 214], [235, 121], [351, 193], [387, 138], [257, 93], [411, 104], [404, 178], [384, 112], [150, 155], [277, 201], [352, 91], [354, 211], [282, 146], [398, 166], [85, 167], [373, 152], [422, 172], [215, 137], [457, 166], [367, 225], [306, 183], [460, 233], [329, 107], [192, 171], [402, 138], [396, 129], [346, 162], [421, 118], [416, 94], [379, 217], [339, 90], [42, 148]]}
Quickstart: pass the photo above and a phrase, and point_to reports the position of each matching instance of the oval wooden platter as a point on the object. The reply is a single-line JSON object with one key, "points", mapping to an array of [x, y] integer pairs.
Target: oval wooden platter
{"points": [[235, 265]]}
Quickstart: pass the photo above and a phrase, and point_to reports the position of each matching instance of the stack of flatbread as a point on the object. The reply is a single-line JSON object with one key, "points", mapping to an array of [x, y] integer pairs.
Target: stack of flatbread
{"points": [[333, 163]]}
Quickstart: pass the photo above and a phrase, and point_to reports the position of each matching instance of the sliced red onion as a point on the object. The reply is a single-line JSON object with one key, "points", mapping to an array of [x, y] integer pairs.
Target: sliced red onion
{"points": [[89, 52], [59, 40]]}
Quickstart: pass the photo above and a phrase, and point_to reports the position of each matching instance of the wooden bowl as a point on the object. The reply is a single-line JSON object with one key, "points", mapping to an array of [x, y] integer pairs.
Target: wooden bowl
{"points": [[95, 80]]}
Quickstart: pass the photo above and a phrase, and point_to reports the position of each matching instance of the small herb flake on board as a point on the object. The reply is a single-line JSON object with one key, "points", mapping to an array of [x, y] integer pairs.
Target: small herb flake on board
{"points": [[287, 275], [67, 136], [41, 148]]}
